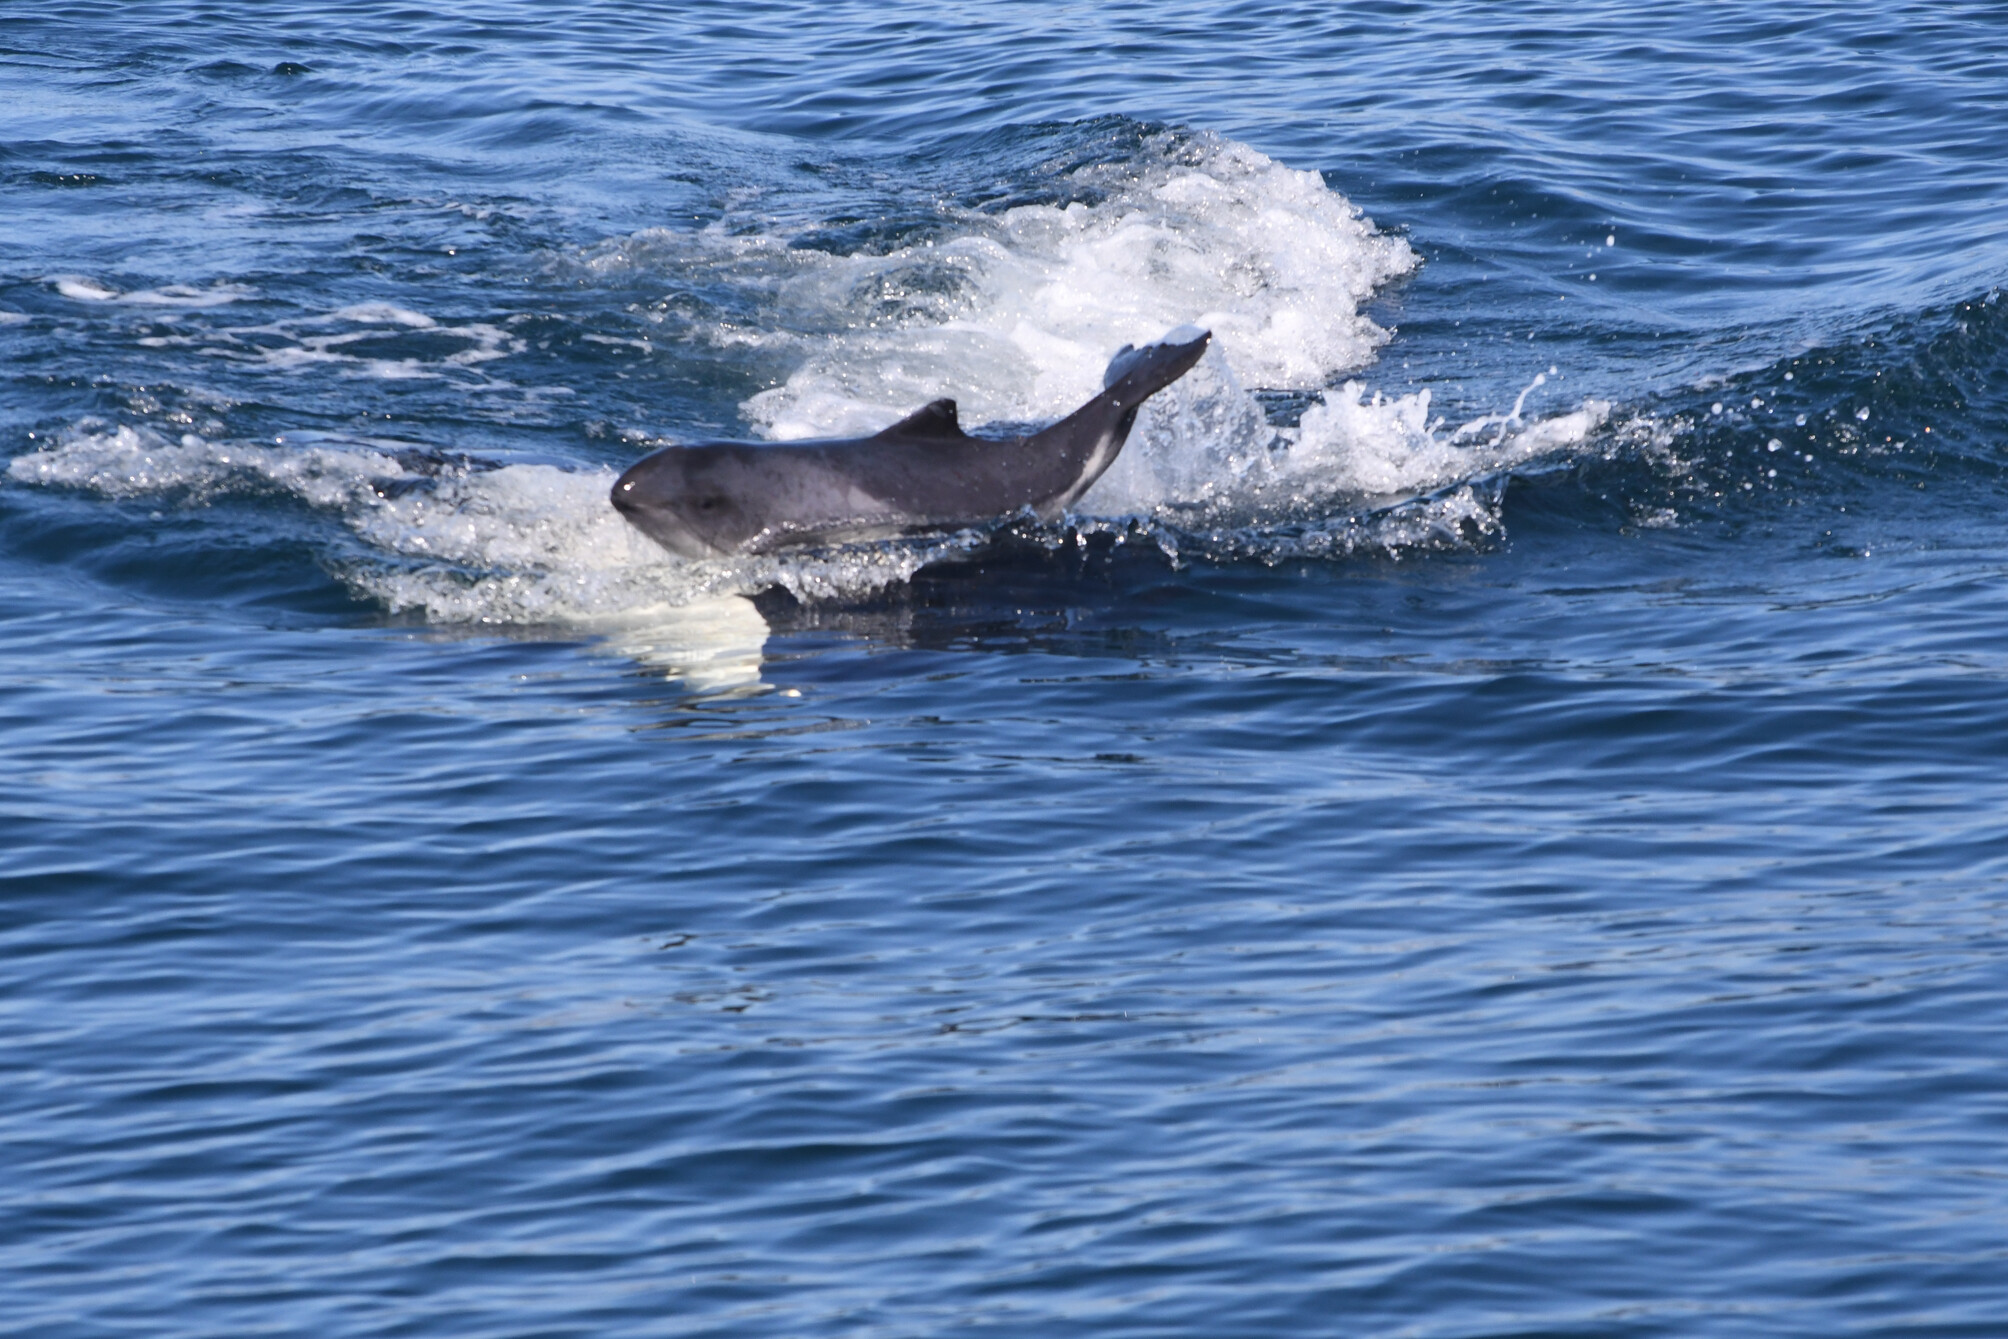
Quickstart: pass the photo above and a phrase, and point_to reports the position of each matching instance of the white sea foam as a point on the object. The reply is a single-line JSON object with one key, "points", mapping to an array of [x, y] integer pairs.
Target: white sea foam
{"points": [[464, 542], [1016, 313], [1204, 448], [82, 288], [342, 341]]}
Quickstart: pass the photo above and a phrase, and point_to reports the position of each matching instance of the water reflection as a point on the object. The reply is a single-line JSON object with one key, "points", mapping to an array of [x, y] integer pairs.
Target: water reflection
{"points": [[713, 645]]}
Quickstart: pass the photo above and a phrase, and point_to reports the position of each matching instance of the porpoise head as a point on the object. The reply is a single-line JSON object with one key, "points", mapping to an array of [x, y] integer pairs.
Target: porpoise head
{"points": [[675, 498]]}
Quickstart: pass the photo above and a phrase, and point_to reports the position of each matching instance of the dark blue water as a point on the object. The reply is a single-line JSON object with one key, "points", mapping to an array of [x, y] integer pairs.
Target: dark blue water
{"points": [[1528, 860]]}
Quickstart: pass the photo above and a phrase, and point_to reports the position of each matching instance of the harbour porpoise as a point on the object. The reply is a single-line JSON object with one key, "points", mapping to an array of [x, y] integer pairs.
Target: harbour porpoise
{"points": [[712, 499]]}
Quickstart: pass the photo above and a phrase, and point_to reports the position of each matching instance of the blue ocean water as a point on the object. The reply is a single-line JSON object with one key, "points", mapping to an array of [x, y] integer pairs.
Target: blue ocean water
{"points": [[1488, 822]]}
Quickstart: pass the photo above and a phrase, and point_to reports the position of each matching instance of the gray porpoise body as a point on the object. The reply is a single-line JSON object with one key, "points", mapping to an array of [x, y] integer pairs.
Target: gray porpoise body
{"points": [[923, 473]]}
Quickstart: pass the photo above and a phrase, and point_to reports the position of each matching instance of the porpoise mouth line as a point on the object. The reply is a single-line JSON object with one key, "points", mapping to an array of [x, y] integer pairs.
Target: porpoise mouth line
{"points": [[924, 473]]}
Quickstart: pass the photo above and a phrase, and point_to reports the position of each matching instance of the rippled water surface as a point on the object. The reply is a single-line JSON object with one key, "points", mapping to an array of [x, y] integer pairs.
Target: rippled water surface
{"points": [[1487, 821]]}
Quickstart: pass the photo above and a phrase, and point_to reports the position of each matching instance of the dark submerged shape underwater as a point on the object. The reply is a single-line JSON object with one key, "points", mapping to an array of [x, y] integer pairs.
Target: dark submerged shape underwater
{"points": [[922, 473]]}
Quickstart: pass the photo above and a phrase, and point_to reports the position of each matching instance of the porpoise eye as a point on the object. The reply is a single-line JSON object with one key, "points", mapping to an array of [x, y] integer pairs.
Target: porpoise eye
{"points": [[709, 503]]}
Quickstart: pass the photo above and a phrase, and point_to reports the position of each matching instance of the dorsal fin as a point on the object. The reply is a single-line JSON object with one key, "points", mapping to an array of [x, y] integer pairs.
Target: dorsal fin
{"points": [[934, 419]]}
